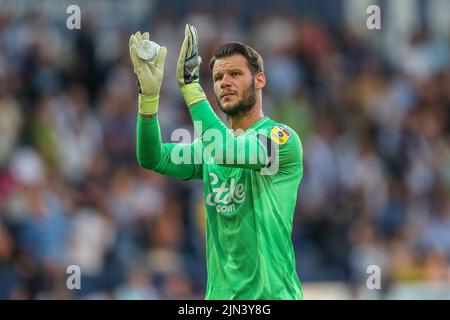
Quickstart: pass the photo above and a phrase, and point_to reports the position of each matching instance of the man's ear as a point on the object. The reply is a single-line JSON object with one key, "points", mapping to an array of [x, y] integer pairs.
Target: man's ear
{"points": [[260, 80]]}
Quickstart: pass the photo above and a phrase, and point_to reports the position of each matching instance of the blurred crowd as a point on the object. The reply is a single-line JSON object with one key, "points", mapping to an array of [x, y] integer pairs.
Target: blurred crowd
{"points": [[374, 123]]}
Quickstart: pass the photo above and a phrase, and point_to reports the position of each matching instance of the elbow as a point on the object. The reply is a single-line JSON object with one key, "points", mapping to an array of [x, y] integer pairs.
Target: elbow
{"points": [[146, 163]]}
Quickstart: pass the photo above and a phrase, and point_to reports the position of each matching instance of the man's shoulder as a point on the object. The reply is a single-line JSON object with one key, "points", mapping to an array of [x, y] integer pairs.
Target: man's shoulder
{"points": [[286, 143], [280, 133]]}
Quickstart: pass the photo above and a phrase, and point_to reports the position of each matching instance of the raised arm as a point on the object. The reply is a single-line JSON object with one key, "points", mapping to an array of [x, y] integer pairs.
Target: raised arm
{"points": [[245, 150], [151, 153]]}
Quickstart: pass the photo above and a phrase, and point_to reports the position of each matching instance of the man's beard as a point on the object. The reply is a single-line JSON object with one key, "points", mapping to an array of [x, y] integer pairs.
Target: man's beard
{"points": [[244, 105]]}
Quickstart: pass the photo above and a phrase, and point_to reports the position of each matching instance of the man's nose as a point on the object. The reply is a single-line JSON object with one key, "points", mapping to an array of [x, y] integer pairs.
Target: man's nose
{"points": [[225, 81]]}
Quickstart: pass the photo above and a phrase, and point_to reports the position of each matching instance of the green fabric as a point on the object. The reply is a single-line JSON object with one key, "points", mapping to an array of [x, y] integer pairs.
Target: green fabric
{"points": [[249, 214], [152, 154]]}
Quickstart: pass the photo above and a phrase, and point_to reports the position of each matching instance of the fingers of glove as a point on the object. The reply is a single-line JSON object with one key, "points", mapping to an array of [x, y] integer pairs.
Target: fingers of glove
{"points": [[191, 43], [159, 63], [133, 40], [134, 57], [183, 51], [194, 40], [138, 36], [181, 62], [145, 36], [187, 34]]}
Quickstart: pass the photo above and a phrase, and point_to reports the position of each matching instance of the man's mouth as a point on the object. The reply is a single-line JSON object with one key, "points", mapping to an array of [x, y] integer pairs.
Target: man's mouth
{"points": [[227, 94]]}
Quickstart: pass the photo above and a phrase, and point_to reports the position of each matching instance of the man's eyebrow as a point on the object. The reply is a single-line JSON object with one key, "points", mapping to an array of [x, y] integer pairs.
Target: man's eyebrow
{"points": [[231, 69]]}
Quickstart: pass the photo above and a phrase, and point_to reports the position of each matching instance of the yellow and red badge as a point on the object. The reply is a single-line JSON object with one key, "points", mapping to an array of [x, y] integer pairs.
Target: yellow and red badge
{"points": [[279, 134]]}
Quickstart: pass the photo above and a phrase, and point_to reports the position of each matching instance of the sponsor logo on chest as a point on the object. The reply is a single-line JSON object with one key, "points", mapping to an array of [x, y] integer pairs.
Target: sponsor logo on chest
{"points": [[224, 195]]}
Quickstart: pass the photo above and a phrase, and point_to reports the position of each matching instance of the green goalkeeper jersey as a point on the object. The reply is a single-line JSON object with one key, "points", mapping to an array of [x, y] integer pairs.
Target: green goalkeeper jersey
{"points": [[250, 191]]}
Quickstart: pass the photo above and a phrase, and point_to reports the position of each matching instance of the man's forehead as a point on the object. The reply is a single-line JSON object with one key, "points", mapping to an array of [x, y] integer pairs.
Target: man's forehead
{"points": [[229, 63]]}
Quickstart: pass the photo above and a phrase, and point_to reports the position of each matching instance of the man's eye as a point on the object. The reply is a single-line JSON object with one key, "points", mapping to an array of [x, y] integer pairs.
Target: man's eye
{"points": [[234, 74]]}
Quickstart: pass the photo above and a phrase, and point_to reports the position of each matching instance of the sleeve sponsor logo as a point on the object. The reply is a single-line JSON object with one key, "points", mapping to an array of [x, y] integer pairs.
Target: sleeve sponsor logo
{"points": [[280, 135]]}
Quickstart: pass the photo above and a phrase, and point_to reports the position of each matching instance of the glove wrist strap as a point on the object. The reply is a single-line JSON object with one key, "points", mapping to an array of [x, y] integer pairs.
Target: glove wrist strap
{"points": [[192, 93], [148, 104]]}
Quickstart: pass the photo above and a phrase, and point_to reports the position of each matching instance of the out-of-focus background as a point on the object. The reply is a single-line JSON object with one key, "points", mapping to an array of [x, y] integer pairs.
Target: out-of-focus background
{"points": [[372, 108]]}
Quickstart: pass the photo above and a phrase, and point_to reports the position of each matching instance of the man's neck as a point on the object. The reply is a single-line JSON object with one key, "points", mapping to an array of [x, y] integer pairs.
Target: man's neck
{"points": [[246, 120]]}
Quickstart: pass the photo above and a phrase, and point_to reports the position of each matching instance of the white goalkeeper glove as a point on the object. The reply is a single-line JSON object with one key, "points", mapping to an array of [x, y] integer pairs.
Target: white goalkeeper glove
{"points": [[150, 75]]}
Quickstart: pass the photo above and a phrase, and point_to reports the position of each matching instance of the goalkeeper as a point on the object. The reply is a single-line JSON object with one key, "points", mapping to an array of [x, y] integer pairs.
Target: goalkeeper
{"points": [[251, 170]]}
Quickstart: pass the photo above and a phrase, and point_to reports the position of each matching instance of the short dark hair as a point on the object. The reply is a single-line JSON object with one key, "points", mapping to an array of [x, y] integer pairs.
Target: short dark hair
{"points": [[254, 60]]}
